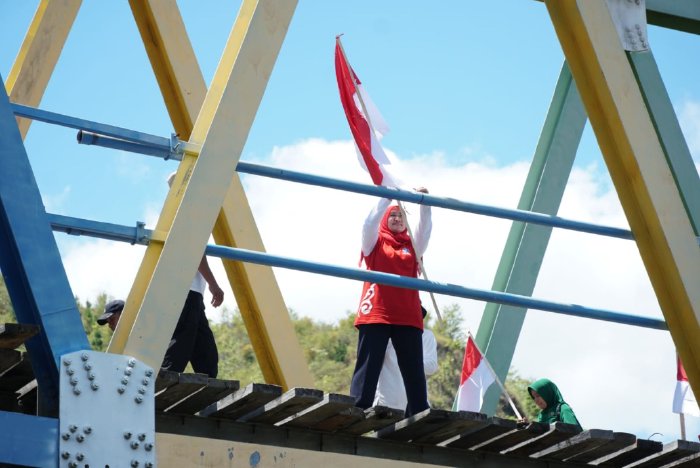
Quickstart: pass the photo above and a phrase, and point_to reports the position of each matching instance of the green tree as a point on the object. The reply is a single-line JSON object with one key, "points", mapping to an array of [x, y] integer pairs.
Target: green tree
{"points": [[236, 356], [330, 351], [7, 313], [98, 335]]}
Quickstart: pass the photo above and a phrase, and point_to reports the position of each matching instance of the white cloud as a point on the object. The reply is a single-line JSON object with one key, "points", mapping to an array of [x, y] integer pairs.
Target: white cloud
{"points": [[55, 203], [132, 168], [95, 266], [616, 377]]}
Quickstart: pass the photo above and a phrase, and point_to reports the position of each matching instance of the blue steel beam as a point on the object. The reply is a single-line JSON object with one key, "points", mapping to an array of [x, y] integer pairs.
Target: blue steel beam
{"points": [[91, 138], [28, 440], [115, 232], [32, 266], [142, 236]]}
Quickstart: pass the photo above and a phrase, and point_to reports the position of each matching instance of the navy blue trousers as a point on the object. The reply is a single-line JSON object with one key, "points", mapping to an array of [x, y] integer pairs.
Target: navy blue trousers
{"points": [[371, 347], [193, 340]]}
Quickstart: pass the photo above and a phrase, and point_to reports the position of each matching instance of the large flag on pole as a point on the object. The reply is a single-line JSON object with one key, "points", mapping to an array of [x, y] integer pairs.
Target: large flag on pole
{"points": [[366, 123], [683, 399], [477, 376]]}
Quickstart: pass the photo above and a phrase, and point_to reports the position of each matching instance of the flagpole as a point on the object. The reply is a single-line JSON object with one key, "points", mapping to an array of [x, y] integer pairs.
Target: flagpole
{"points": [[682, 420], [495, 376], [403, 211]]}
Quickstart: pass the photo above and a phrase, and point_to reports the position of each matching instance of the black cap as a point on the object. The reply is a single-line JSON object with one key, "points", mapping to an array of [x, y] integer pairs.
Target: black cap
{"points": [[112, 307], [423, 311]]}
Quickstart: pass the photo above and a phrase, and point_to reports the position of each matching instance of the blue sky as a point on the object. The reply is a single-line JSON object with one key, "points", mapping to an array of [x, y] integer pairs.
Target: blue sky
{"points": [[471, 80], [465, 88]]}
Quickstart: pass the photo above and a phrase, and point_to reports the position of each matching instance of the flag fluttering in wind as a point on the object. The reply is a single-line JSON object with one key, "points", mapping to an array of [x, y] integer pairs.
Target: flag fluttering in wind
{"points": [[477, 376], [366, 123], [683, 399]]}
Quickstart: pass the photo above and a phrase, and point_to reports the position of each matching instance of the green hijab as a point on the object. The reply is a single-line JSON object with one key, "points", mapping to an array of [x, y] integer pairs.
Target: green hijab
{"points": [[557, 409]]}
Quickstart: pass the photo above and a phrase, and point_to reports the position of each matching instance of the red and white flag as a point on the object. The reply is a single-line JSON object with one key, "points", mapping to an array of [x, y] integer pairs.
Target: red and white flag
{"points": [[684, 399], [366, 123], [476, 379]]}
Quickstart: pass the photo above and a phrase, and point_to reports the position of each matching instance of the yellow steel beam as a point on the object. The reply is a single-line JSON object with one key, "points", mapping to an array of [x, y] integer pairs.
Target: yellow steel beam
{"points": [[173, 60], [257, 293], [200, 185], [637, 165], [39, 53]]}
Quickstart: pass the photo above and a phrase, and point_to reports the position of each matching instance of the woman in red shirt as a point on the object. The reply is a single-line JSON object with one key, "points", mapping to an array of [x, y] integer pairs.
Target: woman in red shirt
{"points": [[388, 312]]}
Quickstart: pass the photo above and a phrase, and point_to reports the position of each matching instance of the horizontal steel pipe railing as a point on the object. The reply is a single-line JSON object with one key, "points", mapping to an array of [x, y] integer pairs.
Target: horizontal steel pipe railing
{"points": [[140, 235], [367, 189], [152, 145], [81, 124]]}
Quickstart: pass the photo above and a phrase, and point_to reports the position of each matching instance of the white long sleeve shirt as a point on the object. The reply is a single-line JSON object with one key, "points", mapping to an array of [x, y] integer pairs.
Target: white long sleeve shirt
{"points": [[390, 390], [370, 229]]}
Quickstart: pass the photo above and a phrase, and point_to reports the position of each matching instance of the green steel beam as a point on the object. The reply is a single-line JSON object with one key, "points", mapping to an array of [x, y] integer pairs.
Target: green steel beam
{"points": [[526, 244], [669, 130], [682, 15]]}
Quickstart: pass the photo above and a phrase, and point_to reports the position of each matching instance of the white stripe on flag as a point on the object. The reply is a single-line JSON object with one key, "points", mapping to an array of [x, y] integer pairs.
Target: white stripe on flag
{"points": [[476, 379], [684, 400], [471, 392]]}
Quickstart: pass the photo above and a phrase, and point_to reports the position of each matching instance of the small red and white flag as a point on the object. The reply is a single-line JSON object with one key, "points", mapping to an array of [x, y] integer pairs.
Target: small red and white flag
{"points": [[366, 123], [683, 399], [476, 379]]}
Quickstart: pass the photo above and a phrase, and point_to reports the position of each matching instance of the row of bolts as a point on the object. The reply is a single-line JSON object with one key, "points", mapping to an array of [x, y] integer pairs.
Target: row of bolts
{"points": [[87, 430]]}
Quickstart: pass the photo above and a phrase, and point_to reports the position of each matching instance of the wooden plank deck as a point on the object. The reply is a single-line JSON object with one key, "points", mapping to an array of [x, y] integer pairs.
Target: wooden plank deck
{"points": [[619, 441], [558, 432], [287, 404], [214, 391], [242, 401], [374, 418], [513, 438], [333, 412], [434, 436], [491, 429], [576, 445], [641, 448], [671, 453], [13, 335], [178, 389]]}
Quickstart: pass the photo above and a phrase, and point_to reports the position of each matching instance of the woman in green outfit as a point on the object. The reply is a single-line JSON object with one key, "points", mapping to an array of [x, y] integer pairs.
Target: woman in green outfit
{"points": [[548, 399]]}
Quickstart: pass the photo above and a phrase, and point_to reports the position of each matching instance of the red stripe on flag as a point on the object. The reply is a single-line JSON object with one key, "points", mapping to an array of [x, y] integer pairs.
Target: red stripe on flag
{"points": [[680, 371], [361, 132], [472, 358]]}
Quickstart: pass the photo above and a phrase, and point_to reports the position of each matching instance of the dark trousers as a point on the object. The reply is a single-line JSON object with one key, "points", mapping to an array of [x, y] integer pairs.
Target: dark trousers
{"points": [[193, 340], [371, 347]]}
